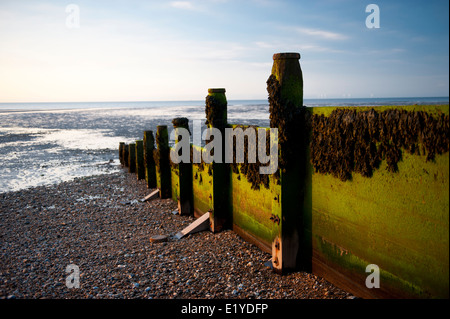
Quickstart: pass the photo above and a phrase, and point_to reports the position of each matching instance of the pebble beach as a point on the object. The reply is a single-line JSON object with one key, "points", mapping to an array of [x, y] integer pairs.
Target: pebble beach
{"points": [[99, 224]]}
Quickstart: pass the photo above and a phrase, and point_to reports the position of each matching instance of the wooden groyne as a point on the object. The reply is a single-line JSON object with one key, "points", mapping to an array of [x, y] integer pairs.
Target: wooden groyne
{"points": [[359, 193]]}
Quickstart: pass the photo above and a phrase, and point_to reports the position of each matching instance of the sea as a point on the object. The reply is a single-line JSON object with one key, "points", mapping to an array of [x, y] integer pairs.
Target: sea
{"points": [[48, 143]]}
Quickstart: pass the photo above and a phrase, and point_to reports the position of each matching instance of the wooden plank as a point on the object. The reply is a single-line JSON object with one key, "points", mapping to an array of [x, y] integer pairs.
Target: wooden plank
{"points": [[151, 196], [201, 223]]}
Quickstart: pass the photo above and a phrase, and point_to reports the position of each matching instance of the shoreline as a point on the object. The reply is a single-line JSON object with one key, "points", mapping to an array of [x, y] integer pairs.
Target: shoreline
{"points": [[98, 224]]}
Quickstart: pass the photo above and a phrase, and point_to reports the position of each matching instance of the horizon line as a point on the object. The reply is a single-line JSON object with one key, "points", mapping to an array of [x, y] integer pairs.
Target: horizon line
{"points": [[190, 100]]}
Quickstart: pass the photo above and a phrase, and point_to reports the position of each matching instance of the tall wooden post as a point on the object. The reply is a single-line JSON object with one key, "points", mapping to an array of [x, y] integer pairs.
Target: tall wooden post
{"points": [[132, 157], [140, 169], [121, 147], [162, 162], [126, 151], [285, 86], [149, 162], [216, 115], [185, 195]]}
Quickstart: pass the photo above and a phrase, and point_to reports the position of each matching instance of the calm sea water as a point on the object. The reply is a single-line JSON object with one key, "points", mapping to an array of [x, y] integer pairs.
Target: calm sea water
{"points": [[47, 143]]}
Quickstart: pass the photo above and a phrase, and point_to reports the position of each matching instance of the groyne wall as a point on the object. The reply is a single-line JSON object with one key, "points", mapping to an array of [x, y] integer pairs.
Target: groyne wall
{"points": [[360, 196]]}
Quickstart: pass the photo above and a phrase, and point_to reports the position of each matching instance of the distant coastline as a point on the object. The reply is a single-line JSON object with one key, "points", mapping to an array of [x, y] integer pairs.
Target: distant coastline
{"points": [[42, 106]]}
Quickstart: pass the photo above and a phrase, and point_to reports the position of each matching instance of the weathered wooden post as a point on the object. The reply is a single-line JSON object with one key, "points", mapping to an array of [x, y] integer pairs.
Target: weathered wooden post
{"points": [[185, 195], [132, 157], [216, 117], [285, 87], [149, 162], [162, 162], [140, 169], [126, 161], [121, 147]]}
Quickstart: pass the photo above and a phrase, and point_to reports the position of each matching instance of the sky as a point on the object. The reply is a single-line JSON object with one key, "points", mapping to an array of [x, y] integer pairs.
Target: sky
{"points": [[80, 51]]}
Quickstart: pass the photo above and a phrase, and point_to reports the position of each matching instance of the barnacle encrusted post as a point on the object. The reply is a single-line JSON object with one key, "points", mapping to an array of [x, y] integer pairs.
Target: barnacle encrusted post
{"points": [[149, 162], [216, 117], [287, 114], [162, 162], [185, 195]]}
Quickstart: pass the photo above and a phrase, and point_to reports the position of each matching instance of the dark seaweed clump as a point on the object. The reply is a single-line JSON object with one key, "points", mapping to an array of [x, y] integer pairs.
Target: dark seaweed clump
{"points": [[292, 123], [251, 170], [201, 165], [349, 141], [181, 122], [214, 110]]}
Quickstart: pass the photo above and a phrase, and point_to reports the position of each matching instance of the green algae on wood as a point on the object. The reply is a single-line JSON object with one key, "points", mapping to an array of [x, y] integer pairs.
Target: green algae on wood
{"points": [[216, 116], [288, 73], [287, 114], [248, 169], [202, 187], [398, 221], [216, 108]]}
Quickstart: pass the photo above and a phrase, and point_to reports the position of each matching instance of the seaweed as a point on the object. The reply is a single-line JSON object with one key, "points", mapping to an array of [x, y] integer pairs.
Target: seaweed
{"points": [[215, 109], [350, 141], [293, 124], [251, 170]]}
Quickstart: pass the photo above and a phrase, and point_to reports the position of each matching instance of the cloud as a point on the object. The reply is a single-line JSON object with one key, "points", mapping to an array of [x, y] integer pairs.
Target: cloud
{"points": [[186, 5], [328, 35]]}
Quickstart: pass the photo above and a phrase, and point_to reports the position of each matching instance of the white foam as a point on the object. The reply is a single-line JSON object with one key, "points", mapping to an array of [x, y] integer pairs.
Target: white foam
{"points": [[84, 139]]}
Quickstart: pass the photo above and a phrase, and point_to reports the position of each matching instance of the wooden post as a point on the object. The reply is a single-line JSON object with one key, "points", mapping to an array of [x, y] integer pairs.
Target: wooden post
{"points": [[216, 115], [132, 157], [125, 156], [185, 198], [162, 162], [149, 162], [121, 147], [140, 169], [285, 86]]}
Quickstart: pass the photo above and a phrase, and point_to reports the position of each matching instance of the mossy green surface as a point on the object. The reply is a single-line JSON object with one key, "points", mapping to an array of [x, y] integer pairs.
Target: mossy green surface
{"points": [[355, 267], [158, 179], [175, 182], [202, 187], [288, 72], [398, 221], [216, 108], [252, 208]]}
